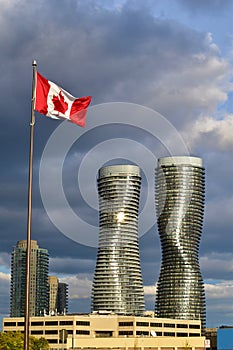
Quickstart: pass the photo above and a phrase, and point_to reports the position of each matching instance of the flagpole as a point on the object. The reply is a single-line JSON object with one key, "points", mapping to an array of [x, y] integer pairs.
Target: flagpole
{"points": [[29, 217]]}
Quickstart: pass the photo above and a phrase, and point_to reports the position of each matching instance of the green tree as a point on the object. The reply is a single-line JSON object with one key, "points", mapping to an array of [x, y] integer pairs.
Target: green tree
{"points": [[11, 341], [187, 346], [15, 341], [39, 344]]}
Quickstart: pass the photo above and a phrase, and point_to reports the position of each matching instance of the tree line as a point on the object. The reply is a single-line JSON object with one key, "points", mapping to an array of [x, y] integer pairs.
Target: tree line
{"points": [[15, 341]]}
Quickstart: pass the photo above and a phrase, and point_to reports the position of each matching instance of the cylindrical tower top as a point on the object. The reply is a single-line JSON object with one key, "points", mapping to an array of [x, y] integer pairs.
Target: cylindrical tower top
{"points": [[119, 170], [181, 160]]}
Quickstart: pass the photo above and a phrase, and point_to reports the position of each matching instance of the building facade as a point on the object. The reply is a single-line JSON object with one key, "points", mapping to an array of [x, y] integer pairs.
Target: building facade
{"points": [[104, 331], [58, 296], [62, 299], [225, 338], [53, 294], [117, 285], [211, 336], [38, 280], [180, 190]]}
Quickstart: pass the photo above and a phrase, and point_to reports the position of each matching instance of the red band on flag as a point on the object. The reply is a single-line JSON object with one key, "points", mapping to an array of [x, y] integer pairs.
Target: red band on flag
{"points": [[79, 110], [42, 91]]}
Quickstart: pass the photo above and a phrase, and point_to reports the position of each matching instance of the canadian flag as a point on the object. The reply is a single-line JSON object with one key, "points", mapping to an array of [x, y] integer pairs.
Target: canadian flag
{"points": [[57, 103]]}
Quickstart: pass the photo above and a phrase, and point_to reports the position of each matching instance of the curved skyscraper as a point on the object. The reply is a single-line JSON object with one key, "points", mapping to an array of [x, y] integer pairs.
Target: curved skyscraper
{"points": [[117, 285], [180, 206]]}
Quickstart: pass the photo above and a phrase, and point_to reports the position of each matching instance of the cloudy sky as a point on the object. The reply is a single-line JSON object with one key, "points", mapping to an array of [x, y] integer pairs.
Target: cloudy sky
{"points": [[160, 74]]}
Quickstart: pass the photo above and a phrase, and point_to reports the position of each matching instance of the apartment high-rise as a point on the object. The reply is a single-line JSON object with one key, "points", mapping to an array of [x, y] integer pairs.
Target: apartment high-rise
{"points": [[62, 300], [180, 191], [38, 280], [117, 285], [53, 294], [58, 296]]}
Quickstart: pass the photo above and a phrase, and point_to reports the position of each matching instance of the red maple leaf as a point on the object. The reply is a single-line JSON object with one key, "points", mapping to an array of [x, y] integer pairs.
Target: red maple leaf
{"points": [[59, 103]]}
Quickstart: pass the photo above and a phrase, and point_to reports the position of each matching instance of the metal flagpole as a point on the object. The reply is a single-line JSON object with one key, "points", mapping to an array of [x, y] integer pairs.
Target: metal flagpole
{"points": [[29, 219]]}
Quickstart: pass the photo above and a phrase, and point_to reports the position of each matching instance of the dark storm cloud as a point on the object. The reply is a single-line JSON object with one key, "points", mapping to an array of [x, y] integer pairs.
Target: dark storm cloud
{"points": [[224, 313], [81, 305], [217, 266], [5, 260], [62, 266], [124, 51], [207, 7]]}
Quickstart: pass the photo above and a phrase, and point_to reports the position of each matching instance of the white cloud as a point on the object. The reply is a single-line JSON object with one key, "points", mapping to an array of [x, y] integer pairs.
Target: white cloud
{"points": [[216, 264], [78, 286], [211, 132], [220, 290], [4, 277], [214, 289], [149, 290]]}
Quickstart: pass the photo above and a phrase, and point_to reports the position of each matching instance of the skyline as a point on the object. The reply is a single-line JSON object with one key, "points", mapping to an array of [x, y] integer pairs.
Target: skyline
{"points": [[171, 61]]}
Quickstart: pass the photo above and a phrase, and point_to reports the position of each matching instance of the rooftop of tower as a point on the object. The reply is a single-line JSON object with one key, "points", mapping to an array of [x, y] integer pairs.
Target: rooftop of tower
{"points": [[181, 160], [121, 169]]}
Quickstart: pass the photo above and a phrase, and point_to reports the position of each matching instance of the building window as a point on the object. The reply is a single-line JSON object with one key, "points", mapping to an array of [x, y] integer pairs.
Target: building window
{"points": [[142, 333], [169, 334], [103, 334], [158, 334], [170, 325], [37, 323], [142, 324], [20, 324], [51, 323], [36, 332], [51, 331], [180, 325], [52, 341], [125, 324], [194, 334], [194, 326], [66, 323], [125, 332], [9, 324], [156, 324], [181, 334]]}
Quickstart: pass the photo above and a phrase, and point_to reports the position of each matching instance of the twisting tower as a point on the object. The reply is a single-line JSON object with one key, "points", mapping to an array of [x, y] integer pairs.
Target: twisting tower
{"points": [[180, 207], [117, 285]]}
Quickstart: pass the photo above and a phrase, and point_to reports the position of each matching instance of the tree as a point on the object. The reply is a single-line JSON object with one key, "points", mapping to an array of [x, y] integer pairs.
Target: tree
{"points": [[15, 341], [39, 344], [11, 341], [187, 346]]}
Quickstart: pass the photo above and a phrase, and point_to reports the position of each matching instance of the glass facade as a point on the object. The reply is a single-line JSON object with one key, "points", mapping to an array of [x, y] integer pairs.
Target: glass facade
{"points": [[180, 188], [117, 285], [39, 292], [62, 301]]}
